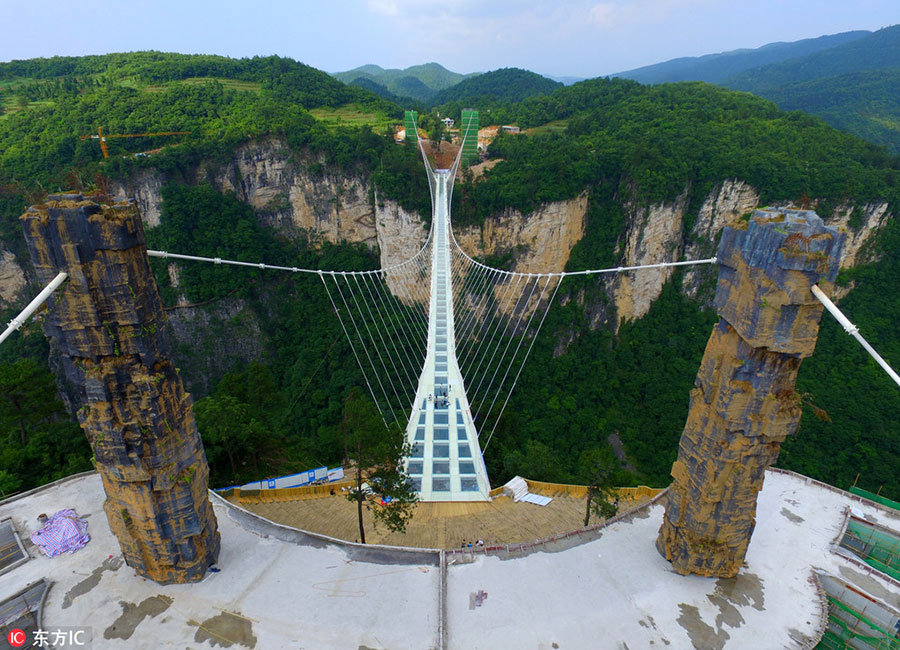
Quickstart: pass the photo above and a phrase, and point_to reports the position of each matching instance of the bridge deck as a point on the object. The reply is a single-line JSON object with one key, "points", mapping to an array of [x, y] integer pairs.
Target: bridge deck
{"points": [[446, 463]]}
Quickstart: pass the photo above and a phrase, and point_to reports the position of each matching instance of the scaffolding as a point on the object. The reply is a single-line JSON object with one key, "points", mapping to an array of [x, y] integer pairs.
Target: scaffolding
{"points": [[23, 610], [410, 119], [877, 546], [856, 621], [12, 552], [468, 129]]}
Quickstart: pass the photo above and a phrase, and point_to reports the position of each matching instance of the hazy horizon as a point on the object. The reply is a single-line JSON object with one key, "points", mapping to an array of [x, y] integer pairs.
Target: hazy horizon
{"points": [[578, 38]]}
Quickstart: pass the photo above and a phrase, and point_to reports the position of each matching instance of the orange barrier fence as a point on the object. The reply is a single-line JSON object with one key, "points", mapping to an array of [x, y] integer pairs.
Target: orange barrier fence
{"points": [[317, 491], [580, 491]]}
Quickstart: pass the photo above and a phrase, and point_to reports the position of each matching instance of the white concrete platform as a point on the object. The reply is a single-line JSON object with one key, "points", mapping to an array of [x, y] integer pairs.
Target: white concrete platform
{"points": [[300, 593], [281, 588]]}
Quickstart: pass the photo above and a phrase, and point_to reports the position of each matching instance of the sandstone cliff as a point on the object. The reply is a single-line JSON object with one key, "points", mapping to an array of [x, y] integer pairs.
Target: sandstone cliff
{"points": [[105, 328], [12, 278], [744, 404], [540, 242], [656, 234], [302, 198]]}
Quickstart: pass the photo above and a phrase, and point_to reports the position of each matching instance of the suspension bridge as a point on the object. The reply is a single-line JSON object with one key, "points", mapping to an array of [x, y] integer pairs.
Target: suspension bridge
{"points": [[441, 340]]}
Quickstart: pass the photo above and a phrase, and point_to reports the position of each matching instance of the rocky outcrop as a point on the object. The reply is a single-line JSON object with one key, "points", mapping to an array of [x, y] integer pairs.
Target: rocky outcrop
{"points": [[539, 242], [859, 223], [12, 278], [653, 236], [725, 204], [297, 195], [145, 188], [744, 404], [106, 330], [400, 236]]}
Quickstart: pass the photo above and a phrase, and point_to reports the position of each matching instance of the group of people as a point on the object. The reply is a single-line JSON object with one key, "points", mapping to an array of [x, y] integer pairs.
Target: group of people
{"points": [[477, 544], [440, 399]]}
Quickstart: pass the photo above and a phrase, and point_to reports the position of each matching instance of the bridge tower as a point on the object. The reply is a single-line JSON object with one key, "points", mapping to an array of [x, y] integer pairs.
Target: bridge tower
{"points": [[469, 124], [410, 118]]}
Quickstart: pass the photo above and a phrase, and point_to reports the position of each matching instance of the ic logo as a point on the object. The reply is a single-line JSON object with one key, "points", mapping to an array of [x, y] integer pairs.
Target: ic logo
{"points": [[16, 638]]}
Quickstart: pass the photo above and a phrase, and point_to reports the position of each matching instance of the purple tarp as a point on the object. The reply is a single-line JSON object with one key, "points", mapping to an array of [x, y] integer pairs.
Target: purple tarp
{"points": [[64, 532]]}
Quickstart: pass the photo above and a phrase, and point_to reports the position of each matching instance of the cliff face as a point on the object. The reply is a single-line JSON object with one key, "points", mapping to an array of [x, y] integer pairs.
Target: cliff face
{"points": [[105, 328], [12, 278], [145, 189], [871, 217], [327, 205], [725, 204], [540, 242], [297, 195], [656, 234], [653, 236]]}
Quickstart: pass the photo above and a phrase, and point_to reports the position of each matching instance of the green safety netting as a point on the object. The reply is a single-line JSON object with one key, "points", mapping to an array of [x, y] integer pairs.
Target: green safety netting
{"points": [[859, 633], [878, 548], [871, 496]]}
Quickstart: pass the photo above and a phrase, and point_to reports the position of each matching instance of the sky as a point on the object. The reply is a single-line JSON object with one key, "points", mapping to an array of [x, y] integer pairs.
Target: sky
{"points": [[582, 38]]}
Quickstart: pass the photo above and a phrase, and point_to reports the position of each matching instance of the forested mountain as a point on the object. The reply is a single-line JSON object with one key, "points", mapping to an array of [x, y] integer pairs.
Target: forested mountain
{"points": [[628, 150], [878, 50], [366, 83], [421, 82], [491, 89], [639, 145], [853, 86], [716, 68], [863, 103], [850, 80]]}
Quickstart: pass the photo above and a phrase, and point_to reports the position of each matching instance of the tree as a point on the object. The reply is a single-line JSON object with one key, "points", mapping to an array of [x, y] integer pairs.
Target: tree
{"points": [[38, 441], [597, 470], [234, 441], [378, 455], [437, 132]]}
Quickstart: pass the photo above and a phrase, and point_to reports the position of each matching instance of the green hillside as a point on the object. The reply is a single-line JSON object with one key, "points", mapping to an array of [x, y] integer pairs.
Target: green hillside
{"points": [[862, 103], [850, 80], [853, 86], [493, 89]]}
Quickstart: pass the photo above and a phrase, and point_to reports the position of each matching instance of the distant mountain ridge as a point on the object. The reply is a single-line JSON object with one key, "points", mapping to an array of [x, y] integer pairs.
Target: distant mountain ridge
{"points": [[419, 82], [851, 80], [716, 68], [853, 86], [874, 51]]}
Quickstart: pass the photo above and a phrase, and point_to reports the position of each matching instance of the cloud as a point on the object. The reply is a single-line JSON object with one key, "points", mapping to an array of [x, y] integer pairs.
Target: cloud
{"points": [[634, 13], [602, 15], [384, 7]]}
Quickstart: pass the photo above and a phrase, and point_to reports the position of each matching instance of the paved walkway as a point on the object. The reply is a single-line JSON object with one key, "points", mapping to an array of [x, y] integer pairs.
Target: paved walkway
{"points": [[281, 588]]}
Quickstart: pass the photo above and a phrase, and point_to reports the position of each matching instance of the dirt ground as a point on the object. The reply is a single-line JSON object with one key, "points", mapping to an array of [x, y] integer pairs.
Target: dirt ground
{"points": [[435, 525]]}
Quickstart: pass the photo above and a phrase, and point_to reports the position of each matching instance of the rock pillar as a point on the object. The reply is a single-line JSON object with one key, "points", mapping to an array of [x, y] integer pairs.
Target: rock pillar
{"points": [[744, 404], [105, 330]]}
